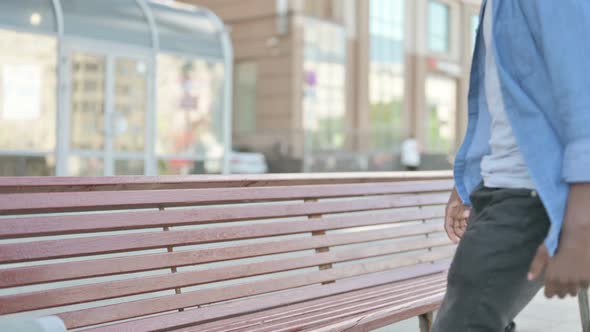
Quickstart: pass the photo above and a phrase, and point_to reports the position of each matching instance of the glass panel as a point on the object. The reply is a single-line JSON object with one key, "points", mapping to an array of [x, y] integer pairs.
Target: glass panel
{"points": [[386, 74], [86, 166], [438, 26], [441, 98], [129, 167], [34, 15], [245, 98], [189, 113], [28, 84], [15, 165], [111, 20], [87, 101], [186, 31], [130, 100], [324, 104]]}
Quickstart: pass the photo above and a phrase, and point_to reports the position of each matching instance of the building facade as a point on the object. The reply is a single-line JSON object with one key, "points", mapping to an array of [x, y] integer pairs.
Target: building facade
{"points": [[337, 85]]}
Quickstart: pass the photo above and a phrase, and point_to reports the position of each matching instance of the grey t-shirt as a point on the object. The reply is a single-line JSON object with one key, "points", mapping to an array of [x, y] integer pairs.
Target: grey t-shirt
{"points": [[504, 167]]}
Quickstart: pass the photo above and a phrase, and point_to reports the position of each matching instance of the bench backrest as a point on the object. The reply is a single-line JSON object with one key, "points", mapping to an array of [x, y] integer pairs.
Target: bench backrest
{"points": [[103, 250]]}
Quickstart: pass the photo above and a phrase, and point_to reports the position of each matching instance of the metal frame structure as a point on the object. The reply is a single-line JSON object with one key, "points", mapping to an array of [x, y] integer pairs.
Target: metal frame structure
{"points": [[67, 44]]}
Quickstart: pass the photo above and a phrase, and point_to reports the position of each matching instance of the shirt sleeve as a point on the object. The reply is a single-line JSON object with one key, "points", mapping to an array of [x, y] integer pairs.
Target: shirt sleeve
{"points": [[564, 39]]}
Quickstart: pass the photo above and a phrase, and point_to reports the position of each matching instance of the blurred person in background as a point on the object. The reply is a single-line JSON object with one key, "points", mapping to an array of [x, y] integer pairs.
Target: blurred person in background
{"points": [[520, 210], [410, 155]]}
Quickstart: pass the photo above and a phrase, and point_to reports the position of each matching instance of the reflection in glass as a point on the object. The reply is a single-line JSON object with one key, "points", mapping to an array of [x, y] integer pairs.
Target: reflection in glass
{"points": [[27, 91], [129, 167], [188, 113], [386, 74], [441, 98], [130, 100], [87, 102], [324, 102], [15, 165], [86, 166]]}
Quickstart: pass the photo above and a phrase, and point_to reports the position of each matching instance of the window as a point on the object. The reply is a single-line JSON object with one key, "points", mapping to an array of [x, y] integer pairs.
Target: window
{"points": [[386, 74], [245, 98], [324, 88], [27, 103], [188, 114], [441, 99], [438, 27]]}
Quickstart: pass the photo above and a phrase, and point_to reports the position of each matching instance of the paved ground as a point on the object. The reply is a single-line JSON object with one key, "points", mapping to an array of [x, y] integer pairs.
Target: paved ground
{"points": [[541, 315]]}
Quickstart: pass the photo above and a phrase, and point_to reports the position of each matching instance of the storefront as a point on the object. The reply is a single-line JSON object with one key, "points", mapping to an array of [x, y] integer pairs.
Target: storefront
{"points": [[113, 87]]}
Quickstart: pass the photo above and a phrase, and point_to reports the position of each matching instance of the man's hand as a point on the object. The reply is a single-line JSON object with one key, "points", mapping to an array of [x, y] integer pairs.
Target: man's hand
{"points": [[456, 216], [569, 270]]}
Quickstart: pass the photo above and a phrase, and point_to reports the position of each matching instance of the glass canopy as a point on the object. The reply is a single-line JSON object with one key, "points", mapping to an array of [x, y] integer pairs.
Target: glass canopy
{"points": [[177, 28], [113, 87]]}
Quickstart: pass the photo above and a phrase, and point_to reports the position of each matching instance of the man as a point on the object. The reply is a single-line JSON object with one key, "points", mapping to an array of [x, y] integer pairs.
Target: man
{"points": [[524, 167]]}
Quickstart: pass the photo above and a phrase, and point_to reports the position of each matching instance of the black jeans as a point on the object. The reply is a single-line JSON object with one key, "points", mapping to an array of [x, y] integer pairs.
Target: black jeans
{"points": [[487, 283]]}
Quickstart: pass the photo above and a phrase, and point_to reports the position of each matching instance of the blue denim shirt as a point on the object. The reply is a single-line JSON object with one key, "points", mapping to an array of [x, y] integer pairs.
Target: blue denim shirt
{"points": [[542, 51]]}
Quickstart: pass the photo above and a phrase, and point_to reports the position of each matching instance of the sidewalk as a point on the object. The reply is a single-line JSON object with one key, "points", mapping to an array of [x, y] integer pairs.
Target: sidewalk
{"points": [[541, 315]]}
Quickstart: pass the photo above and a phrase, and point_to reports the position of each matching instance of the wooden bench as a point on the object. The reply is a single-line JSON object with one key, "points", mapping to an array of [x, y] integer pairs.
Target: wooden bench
{"points": [[224, 253]]}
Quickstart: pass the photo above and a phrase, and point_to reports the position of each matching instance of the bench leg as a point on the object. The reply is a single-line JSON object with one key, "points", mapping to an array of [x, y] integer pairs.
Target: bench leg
{"points": [[584, 310], [426, 322]]}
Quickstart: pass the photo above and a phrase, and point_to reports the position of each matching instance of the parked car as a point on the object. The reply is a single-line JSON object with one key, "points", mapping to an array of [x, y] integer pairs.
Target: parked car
{"points": [[239, 163]]}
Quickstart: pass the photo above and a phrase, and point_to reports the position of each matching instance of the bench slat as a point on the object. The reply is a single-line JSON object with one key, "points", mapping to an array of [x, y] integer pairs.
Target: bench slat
{"points": [[52, 249], [107, 290], [80, 201], [110, 313], [101, 222], [138, 263], [52, 184], [368, 321], [302, 309], [196, 316], [338, 313]]}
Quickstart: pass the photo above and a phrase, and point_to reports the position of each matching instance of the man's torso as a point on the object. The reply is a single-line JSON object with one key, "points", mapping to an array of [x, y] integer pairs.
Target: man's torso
{"points": [[504, 167], [529, 104]]}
